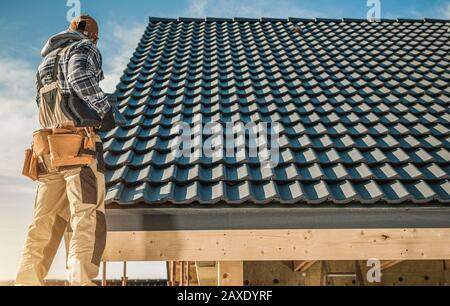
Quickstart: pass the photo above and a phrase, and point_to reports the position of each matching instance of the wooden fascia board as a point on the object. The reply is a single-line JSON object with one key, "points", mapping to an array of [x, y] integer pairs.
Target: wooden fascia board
{"points": [[279, 245]]}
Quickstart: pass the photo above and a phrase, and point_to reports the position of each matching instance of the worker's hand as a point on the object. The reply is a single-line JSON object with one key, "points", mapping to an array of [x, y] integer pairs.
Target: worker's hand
{"points": [[108, 123]]}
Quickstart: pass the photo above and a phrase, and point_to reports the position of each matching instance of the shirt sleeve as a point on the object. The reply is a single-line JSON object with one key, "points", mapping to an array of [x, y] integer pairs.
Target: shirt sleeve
{"points": [[83, 72], [37, 92]]}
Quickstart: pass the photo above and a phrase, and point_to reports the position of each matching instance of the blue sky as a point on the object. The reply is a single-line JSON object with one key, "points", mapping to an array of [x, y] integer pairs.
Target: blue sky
{"points": [[25, 26]]}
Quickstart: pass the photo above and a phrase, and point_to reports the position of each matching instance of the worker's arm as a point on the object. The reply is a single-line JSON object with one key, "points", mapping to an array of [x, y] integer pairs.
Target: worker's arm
{"points": [[84, 75], [38, 95]]}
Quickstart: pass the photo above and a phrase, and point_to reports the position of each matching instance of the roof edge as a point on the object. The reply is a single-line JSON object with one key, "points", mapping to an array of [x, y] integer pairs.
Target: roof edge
{"points": [[264, 219], [293, 19]]}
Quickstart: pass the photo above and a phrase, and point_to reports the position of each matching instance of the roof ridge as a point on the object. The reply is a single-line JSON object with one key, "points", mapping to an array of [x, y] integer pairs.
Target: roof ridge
{"points": [[290, 19]]}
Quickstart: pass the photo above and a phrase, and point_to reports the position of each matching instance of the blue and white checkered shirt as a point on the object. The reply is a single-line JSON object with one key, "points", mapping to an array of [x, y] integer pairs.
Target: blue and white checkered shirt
{"points": [[80, 72]]}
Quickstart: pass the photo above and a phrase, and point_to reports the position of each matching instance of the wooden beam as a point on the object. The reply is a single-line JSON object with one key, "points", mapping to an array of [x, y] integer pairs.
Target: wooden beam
{"points": [[193, 281], [207, 273], [231, 273], [174, 273], [267, 245], [182, 273], [169, 268], [303, 266], [387, 264]]}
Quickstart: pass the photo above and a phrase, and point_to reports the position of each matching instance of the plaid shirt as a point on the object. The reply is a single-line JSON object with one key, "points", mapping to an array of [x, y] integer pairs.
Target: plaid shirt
{"points": [[80, 72]]}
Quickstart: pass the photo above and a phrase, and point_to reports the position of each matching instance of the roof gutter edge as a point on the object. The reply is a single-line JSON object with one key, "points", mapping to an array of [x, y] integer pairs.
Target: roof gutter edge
{"points": [[189, 219]]}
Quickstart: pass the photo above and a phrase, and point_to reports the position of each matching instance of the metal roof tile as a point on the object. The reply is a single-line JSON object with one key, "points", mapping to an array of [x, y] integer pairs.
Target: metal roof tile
{"points": [[421, 156], [261, 173], [442, 190], [155, 193], [240, 193], [420, 191], [287, 173], [360, 172], [291, 192], [342, 192], [336, 172], [316, 192], [264, 192], [369, 192], [434, 172], [311, 172], [395, 192]]}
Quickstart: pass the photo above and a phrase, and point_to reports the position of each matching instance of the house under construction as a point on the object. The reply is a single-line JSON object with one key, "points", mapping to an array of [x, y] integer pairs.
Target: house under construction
{"points": [[364, 167]]}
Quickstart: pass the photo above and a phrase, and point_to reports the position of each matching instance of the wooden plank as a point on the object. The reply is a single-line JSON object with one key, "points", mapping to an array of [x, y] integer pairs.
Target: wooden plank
{"points": [[267, 245], [303, 266], [387, 264], [231, 273]]}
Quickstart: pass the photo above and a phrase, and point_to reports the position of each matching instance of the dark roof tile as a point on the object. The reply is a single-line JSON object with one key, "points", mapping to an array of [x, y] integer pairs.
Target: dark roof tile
{"points": [[362, 109]]}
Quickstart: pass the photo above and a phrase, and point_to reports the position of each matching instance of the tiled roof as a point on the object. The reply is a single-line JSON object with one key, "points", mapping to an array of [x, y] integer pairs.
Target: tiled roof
{"points": [[363, 108]]}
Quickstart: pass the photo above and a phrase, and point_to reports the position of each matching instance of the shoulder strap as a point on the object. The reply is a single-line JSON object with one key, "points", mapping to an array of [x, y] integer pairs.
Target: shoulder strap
{"points": [[60, 54]]}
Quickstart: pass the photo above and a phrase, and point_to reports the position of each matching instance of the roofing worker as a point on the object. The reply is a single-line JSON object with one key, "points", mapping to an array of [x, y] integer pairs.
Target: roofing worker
{"points": [[66, 159]]}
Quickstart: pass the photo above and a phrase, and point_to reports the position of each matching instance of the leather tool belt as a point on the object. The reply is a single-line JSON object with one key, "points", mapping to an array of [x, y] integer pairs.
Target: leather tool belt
{"points": [[66, 147]]}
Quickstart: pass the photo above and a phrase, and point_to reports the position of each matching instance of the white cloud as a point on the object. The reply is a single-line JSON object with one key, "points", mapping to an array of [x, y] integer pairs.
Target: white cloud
{"points": [[19, 112], [447, 11], [251, 8], [19, 120], [197, 8], [117, 51]]}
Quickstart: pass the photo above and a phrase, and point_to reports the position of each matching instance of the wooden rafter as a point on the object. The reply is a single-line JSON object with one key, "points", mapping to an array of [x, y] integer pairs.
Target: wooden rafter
{"points": [[303, 266], [182, 273], [387, 264]]}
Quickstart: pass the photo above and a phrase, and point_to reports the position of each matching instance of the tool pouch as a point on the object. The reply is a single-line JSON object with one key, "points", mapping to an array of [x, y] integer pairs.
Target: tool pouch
{"points": [[40, 142], [66, 150], [30, 165]]}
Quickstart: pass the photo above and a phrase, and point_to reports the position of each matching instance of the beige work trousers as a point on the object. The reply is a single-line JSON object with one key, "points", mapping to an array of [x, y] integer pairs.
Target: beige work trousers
{"points": [[73, 200]]}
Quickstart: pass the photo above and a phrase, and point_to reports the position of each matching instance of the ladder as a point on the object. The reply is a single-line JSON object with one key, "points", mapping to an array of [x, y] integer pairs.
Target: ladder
{"points": [[328, 277]]}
